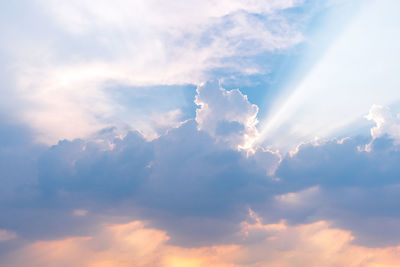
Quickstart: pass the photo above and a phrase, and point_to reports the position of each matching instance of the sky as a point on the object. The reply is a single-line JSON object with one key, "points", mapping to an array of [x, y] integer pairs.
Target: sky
{"points": [[199, 133]]}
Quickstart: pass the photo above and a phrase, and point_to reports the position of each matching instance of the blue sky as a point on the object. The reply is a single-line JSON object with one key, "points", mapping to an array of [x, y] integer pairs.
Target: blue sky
{"points": [[199, 133]]}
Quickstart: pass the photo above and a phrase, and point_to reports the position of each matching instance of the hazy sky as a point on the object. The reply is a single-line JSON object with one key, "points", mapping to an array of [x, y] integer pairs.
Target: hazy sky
{"points": [[199, 133]]}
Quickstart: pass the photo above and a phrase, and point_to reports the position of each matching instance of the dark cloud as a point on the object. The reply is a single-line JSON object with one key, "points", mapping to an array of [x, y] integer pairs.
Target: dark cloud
{"points": [[184, 175], [195, 186], [18, 158], [357, 190]]}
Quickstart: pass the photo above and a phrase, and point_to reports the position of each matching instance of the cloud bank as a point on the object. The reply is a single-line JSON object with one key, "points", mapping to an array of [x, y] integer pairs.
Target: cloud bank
{"points": [[114, 151], [189, 192], [136, 244]]}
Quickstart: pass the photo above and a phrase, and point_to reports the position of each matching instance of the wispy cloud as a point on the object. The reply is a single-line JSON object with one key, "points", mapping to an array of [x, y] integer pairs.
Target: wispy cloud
{"points": [[84, 47]]}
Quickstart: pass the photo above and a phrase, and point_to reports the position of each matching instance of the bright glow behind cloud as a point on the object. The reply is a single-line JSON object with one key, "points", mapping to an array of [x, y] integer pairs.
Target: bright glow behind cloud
{"points": [[190, 197], [357, 70]]}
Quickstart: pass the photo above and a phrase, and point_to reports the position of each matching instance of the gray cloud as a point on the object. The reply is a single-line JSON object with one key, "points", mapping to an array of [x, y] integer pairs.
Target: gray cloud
{"points": [[193, 186], [357, 190]]}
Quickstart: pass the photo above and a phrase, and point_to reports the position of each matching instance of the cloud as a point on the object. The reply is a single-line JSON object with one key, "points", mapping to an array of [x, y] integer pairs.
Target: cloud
{"points": [[135, 243], [337, 181], [226, 115], [117, 245], [222, 23], [386, 123], [7, 235], [188, 179], [175, 178], [154, 180], [312, 244], [190, 184], [18, 158], [183, 180], [70, 56], [80, 212]]}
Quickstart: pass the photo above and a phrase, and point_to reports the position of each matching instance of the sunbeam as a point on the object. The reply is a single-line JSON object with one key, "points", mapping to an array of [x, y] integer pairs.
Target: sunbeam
{"points": [[356, 71]]}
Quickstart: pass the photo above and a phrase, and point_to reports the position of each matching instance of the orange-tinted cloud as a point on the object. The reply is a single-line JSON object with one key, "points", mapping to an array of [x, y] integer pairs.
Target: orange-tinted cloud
{"points": [[130, 244], [134, 244]]}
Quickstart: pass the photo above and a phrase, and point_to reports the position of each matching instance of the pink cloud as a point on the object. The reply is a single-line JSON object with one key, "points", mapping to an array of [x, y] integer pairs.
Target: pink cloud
{"points": [[135, 244]]}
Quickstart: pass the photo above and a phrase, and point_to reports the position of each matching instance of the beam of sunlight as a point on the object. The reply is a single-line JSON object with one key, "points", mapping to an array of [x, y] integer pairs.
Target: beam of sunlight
{"points": [[358, 69]]}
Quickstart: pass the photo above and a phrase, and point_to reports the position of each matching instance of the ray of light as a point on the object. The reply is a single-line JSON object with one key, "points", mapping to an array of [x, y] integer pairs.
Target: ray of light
{"points": [[357, 70]]}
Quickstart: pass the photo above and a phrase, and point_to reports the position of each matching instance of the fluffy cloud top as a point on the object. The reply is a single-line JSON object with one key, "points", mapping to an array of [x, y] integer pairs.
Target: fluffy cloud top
{"points": [[226, 115], [386, 123]]}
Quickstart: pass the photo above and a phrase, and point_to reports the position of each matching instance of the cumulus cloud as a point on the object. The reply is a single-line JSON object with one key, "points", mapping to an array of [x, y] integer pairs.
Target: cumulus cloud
{"points": [[18, 158], [386, 123], [183, 180], [175, 178], [226, 115], [188, 178], [196, 190], [337, 181]]}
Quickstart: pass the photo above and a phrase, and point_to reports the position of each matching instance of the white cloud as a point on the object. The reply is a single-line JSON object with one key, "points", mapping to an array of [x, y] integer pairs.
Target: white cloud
{"points": [[84, 47], [226, 115], [386, 123]]}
